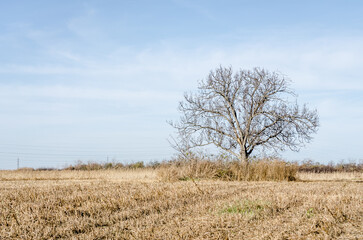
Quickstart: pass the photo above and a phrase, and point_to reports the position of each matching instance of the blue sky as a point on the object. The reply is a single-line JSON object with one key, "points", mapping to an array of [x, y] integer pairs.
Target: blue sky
{"points": [[87, 80]]}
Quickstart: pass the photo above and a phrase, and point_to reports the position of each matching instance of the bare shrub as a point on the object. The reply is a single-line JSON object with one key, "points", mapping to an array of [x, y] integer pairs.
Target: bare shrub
{"points": [[310, 166]]}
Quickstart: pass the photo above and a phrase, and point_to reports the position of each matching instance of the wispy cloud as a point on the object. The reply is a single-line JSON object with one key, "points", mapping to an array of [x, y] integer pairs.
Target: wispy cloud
{"points": [[319, 64], [82, 92]]}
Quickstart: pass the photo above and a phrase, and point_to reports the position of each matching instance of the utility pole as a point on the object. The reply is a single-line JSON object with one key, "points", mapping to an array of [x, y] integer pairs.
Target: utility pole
{"points": [[18, 163]]}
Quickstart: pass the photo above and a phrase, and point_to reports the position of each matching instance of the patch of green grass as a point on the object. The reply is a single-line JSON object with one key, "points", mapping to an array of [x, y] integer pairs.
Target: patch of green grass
{"points": [[310, 212], [248, 208]]}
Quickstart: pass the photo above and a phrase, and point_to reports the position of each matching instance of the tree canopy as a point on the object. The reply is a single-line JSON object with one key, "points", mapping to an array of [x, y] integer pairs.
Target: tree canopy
{"points": [[242, 111]]}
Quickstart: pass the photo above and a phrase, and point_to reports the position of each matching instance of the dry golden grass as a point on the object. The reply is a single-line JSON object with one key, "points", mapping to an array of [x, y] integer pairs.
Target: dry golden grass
{"points": [[109, 175], [135, 204], [334, 176]]}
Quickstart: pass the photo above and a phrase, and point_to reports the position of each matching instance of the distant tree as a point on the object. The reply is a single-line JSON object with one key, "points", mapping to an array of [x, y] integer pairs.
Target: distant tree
{"points": [[244, 111]]}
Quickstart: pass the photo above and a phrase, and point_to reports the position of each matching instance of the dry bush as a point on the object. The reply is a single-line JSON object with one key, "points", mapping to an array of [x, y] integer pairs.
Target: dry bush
{"points": [[86, 166], [257, 170], [269, 170], [25, 169]]}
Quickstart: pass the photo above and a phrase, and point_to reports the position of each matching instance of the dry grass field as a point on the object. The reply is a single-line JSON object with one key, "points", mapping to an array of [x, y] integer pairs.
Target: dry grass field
{"points": [[135, 204]]}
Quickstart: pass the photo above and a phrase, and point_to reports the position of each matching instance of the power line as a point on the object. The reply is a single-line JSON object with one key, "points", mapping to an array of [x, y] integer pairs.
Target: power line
{"points": [[59, 147], [79, 153], [60, 152], [50, 154]]}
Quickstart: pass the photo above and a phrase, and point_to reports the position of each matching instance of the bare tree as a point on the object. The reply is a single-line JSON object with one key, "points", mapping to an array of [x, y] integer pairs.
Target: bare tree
{"points": [[244, 111]]}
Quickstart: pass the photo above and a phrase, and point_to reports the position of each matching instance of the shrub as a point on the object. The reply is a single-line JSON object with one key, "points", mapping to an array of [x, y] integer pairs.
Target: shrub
{"points": [[316, 167], [25, 169], [136, 165], [108, 166], [45, 169]]}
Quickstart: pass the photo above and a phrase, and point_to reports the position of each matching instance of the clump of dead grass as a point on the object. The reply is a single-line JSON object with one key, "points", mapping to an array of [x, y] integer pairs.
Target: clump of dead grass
{"points": [[256, 170]]}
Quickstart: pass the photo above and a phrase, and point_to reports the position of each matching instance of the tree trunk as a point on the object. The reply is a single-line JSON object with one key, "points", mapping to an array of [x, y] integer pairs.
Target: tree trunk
{"points": [[243, 157]]}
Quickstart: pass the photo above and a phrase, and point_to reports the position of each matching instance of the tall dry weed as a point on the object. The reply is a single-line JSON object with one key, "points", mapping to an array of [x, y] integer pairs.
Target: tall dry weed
{"points": [[257, 170]]}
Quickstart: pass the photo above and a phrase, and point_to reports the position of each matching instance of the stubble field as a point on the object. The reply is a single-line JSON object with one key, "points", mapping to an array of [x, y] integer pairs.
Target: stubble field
{"points": [[135, 204]]}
